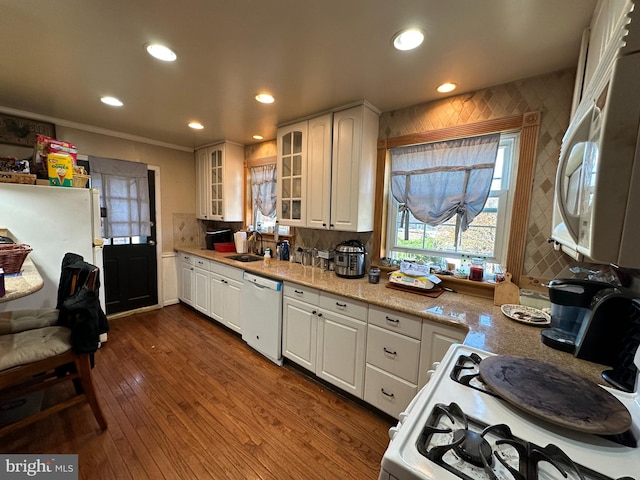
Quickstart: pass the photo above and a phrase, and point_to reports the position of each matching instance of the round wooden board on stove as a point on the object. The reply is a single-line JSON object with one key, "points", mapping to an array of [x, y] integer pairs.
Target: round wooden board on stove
{"points": [[555, 395]]}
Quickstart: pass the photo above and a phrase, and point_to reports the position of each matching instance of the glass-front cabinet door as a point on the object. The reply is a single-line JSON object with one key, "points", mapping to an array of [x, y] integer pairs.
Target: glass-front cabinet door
{"points": [[292, 153], [215, 164]]}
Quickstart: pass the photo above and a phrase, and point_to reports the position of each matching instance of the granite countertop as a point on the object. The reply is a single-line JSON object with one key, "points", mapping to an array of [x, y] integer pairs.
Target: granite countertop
{"points": [[487, 327]]}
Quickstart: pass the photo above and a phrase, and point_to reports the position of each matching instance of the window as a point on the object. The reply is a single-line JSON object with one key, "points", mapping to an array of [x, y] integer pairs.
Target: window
{"points": [[263, 197], [487, 234]]}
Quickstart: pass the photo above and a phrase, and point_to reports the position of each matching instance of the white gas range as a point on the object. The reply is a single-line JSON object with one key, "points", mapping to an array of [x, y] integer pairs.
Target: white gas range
{"points": [[527, 448]]}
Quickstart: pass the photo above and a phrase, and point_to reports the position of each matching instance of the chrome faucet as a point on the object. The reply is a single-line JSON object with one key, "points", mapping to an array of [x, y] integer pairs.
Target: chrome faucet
{"points": [[255, 243]]}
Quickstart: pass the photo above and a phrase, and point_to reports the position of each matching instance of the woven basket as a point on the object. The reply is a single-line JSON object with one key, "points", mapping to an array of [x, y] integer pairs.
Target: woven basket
{"points": [[79, 180], [12, 256]]}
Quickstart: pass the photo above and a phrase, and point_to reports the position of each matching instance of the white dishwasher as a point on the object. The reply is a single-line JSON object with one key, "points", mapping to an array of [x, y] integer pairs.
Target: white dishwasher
{"points": [[261, 314]]}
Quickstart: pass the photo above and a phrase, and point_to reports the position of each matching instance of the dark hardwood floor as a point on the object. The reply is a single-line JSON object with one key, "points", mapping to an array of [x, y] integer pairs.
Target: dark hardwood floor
{"points": [[186, 399]]}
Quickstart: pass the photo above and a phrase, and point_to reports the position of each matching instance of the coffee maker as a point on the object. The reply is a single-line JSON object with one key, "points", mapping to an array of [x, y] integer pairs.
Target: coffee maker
{"points": [[570, 307], [611, 335]]}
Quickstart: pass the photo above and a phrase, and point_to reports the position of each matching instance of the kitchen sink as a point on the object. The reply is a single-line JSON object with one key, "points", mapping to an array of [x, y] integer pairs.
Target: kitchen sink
{"points": [[245, 257]]}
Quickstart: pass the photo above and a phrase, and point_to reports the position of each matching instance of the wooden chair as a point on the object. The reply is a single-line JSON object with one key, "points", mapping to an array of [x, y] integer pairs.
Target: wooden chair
{"points": [[60, 362]]}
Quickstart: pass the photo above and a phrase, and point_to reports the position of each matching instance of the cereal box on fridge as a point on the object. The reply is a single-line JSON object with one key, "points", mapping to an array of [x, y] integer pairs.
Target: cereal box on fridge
{"points": [[60, 167], [46, 145]]}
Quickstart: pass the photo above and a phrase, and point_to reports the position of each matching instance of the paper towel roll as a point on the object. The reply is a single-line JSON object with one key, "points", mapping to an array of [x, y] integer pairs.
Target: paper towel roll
{"points": [[240, 239]]}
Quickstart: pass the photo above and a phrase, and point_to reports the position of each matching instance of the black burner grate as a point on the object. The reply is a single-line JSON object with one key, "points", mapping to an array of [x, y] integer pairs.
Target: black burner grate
{"points": [[471, 450]]}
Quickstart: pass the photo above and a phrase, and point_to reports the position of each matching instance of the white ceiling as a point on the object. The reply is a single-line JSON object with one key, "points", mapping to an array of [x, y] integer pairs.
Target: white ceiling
{"points": [[58, 57]]}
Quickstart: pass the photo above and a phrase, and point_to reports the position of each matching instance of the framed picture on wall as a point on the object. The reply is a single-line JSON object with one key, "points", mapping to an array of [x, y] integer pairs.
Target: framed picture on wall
{"points": [[23, 131]]}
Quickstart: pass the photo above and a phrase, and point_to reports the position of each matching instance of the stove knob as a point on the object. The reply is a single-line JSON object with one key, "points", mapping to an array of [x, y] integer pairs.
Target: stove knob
{"points": [[429, 374], [393, 431]]}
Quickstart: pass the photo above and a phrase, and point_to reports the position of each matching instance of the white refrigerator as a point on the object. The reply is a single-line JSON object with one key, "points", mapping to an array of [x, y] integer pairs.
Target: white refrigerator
{"points": [[53, 221]]}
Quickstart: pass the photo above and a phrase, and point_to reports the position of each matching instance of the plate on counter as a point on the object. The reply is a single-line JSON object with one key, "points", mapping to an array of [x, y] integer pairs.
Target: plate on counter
{"points": [[524, 314]]}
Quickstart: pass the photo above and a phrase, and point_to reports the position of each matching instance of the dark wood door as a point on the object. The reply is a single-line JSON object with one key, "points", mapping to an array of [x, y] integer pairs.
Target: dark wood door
{"points": [[130, 267]]}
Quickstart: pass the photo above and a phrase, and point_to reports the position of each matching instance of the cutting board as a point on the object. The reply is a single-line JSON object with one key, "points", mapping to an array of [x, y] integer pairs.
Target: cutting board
{"points": [[506, 292], [555, 395]]}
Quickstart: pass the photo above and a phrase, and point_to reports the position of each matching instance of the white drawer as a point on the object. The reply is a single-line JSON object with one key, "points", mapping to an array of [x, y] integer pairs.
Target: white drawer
{"points": [[394, 353], [387, 392], [186, 258], [226, 271], [201, 263], [395, 321], [305, 294], [344, 306]]}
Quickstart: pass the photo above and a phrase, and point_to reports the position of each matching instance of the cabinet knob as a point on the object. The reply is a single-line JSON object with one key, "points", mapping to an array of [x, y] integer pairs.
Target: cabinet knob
{"points": [[314, 312], [320, 314]]}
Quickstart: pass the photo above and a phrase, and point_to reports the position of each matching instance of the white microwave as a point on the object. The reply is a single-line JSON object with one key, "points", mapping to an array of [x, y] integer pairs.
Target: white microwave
{"points": [[596, 214]]}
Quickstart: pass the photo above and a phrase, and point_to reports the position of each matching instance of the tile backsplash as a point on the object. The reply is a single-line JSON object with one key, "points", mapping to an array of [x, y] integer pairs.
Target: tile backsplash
{"points": [[550, 94]]}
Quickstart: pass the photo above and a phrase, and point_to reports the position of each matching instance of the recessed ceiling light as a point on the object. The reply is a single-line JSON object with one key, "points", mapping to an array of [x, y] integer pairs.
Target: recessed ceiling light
{"points": [[161, 52], [258, 137], [196, 125], [447, 87], [265, 98], [113, 101], [408, 39]]}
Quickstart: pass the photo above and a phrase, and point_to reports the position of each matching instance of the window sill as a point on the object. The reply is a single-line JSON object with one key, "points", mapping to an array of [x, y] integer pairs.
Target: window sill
{"points": [[468, 287], [461, 285]]}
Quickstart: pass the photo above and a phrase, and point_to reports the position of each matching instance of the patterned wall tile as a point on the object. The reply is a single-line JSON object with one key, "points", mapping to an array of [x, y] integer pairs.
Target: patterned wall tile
{"points": [[551, 94]]}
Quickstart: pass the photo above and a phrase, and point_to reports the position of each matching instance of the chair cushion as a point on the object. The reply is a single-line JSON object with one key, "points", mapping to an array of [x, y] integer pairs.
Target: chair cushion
{"points": [[21, 320], [33, 345]]}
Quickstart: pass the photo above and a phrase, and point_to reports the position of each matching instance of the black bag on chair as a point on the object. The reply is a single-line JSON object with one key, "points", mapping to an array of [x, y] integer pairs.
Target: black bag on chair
{"points": [[79, 313], [79, 307]]}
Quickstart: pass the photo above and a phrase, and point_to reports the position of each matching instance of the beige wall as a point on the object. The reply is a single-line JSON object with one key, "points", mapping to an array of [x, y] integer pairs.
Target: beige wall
{"points": [[177, 172], [551, 95]]}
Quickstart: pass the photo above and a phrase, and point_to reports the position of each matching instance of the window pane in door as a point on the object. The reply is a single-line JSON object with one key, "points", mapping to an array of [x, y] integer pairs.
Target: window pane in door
{"points": [[286, 167], [296, 209], [285, 210], [286, 144], [297, 165], [286, 188], [297, 142], [296, 188]]}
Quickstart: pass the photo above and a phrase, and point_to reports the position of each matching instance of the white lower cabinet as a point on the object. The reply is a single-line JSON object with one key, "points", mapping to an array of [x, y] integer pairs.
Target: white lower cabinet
{"points": [[225, 284], [387, 392], [319, 336], [299, 332], [341, 351], [436, 340], [186, 284], [201, 285], [393, 358]]}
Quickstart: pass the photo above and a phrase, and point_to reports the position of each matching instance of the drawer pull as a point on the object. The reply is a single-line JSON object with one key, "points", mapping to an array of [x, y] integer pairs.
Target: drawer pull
{"points": [[387, 394], [299, 292], [389, 351], [392, 320], [341, 305]]}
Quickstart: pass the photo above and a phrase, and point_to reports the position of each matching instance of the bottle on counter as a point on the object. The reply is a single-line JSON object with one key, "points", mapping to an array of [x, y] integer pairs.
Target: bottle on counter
{"points": [[285, 251], [2, 289], [267, 257]]}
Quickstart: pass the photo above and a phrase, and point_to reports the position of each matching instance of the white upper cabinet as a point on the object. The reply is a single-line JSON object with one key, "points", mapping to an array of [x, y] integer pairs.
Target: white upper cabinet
{"points": [[353, 169], [220, 182], [292, 173], [319, 171], [334, 186], [609, 19]]}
